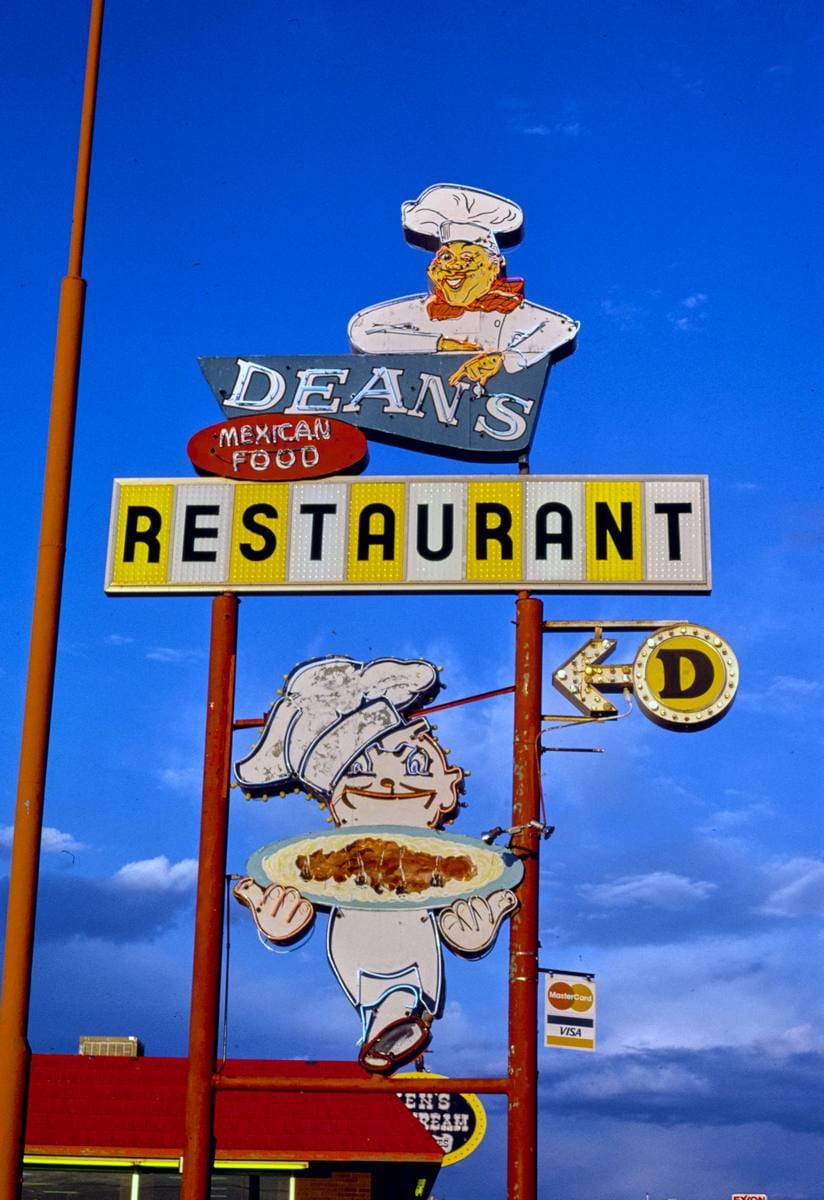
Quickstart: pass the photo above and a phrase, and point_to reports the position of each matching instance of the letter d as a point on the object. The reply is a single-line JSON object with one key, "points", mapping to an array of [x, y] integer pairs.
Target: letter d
{"points": [[671, 662], [246, 372]]}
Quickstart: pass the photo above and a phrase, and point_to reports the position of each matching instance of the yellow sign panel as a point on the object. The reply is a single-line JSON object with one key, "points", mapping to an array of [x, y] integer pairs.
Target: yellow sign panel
{"points": [[142, 523], [614, 529], [258, 547], [437, 534], [494, 547], [376, 532], [685, 677]]}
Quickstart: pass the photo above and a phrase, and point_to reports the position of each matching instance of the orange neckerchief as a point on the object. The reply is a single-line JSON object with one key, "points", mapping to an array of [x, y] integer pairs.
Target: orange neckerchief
{"points": [[505, 295]]}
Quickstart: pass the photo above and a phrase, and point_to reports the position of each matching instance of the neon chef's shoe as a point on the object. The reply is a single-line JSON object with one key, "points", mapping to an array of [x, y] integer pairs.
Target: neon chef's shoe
{"points": [[397, 1043]]}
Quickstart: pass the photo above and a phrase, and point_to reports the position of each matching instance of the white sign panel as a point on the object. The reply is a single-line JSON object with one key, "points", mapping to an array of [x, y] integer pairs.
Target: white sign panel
{"points": [[437, 534]]}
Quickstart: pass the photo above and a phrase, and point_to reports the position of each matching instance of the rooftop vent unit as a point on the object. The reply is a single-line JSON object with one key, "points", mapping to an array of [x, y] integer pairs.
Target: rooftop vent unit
{"points": [[111, 1047]]}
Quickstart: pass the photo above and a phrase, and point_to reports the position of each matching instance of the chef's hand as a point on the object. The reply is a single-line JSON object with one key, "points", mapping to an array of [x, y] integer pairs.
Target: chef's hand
{"points": [[280, 913], [447, 343], [480, 368], [471, 926]]}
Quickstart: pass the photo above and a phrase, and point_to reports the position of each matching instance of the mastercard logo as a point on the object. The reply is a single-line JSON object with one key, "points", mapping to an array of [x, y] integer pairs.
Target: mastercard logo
{"points": [[576, 996]]}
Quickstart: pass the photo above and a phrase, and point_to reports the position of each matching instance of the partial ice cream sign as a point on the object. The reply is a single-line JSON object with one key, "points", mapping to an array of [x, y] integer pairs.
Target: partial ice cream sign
{"points": [[456, 1120], [459, 369], [397, 885]]}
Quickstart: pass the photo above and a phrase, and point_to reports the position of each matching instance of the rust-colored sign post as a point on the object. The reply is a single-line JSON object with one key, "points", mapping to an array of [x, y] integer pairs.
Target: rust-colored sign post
{"points": [[34, 745], [523, 938], [214, 829]]}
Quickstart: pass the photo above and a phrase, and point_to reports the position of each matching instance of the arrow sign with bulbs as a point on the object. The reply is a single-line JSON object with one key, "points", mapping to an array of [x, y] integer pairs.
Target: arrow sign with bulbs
{"points": [[684, 677], [582, 678]]}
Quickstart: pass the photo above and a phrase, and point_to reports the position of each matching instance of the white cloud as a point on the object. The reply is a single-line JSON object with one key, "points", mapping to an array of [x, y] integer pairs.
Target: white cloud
{"points": [[658, 889], [117, 639], [691, 312], [179, 779], [784, 695], [158, 874], [54, 841], [708, 992], [565, 122], [624, 312], [621, 1077], [567, 129], [733, 818], [804, 1038], [667, 784], [801, 893], [170, 654]]}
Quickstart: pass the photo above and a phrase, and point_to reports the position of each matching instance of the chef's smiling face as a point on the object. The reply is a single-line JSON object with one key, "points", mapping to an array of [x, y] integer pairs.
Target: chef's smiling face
{"points": [[463, 272], [403, 780]]}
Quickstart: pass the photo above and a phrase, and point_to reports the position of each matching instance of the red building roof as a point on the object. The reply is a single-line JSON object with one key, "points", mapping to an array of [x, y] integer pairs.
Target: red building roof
{"points": [[134, 1108]]}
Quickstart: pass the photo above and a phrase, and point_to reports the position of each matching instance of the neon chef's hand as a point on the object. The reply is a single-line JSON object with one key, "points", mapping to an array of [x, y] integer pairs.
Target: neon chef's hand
{"points": [[480, 368], [471, 926], [447, 343], [280, 913]]}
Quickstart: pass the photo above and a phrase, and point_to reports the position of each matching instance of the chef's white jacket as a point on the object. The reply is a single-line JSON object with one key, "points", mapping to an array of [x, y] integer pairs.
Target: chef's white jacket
{"points": [[525, 335]]}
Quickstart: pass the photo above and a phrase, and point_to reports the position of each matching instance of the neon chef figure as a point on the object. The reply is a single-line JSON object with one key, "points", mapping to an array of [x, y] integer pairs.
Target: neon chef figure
{"points": [[473, 308], [339, 731]]}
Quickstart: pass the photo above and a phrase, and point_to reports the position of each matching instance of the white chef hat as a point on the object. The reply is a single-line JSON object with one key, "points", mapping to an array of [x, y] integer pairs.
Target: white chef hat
{"points": [[331, 710], [450, 212]]}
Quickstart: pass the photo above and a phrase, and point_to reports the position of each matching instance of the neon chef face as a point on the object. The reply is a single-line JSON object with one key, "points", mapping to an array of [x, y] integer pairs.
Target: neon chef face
{"points": [[403, 780], [463, 272]]}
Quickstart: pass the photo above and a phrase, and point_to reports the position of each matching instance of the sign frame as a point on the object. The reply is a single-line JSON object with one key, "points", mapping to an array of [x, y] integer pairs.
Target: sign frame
{"points": [[586, 574]]}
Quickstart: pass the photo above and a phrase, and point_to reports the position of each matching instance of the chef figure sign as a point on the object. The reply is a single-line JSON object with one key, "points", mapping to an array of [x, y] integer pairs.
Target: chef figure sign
{"points": [[473, 308], [396, 885]]}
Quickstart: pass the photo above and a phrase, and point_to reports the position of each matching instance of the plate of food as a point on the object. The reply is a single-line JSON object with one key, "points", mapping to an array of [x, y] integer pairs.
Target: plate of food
{"points": [[386, 866]]}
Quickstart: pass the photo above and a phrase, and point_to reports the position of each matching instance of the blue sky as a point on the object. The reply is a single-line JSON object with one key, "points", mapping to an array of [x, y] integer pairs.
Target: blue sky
{"points": [[248, 171]]}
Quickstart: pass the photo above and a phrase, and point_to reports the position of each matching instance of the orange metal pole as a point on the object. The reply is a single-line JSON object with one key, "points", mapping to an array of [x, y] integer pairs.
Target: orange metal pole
{"points": [[522, 1149], [198, 1149], [14, 1006]]}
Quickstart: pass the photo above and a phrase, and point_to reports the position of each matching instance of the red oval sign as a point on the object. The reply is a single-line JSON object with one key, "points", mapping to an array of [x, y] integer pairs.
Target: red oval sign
{"points": [[280, 447]]}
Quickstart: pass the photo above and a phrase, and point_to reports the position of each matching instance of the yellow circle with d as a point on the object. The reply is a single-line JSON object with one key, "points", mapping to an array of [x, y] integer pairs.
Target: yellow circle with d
{"points": [[685, 677]]}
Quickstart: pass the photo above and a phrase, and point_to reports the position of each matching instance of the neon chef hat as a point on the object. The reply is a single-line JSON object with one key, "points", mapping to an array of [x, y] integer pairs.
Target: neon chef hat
{"points": [[331, 710], [450, 212]]}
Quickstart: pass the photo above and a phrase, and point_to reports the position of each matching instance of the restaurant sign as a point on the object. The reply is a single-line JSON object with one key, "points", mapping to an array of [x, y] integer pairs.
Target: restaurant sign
{"points": [[456, 370], [407, 399], [435, 534]]}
